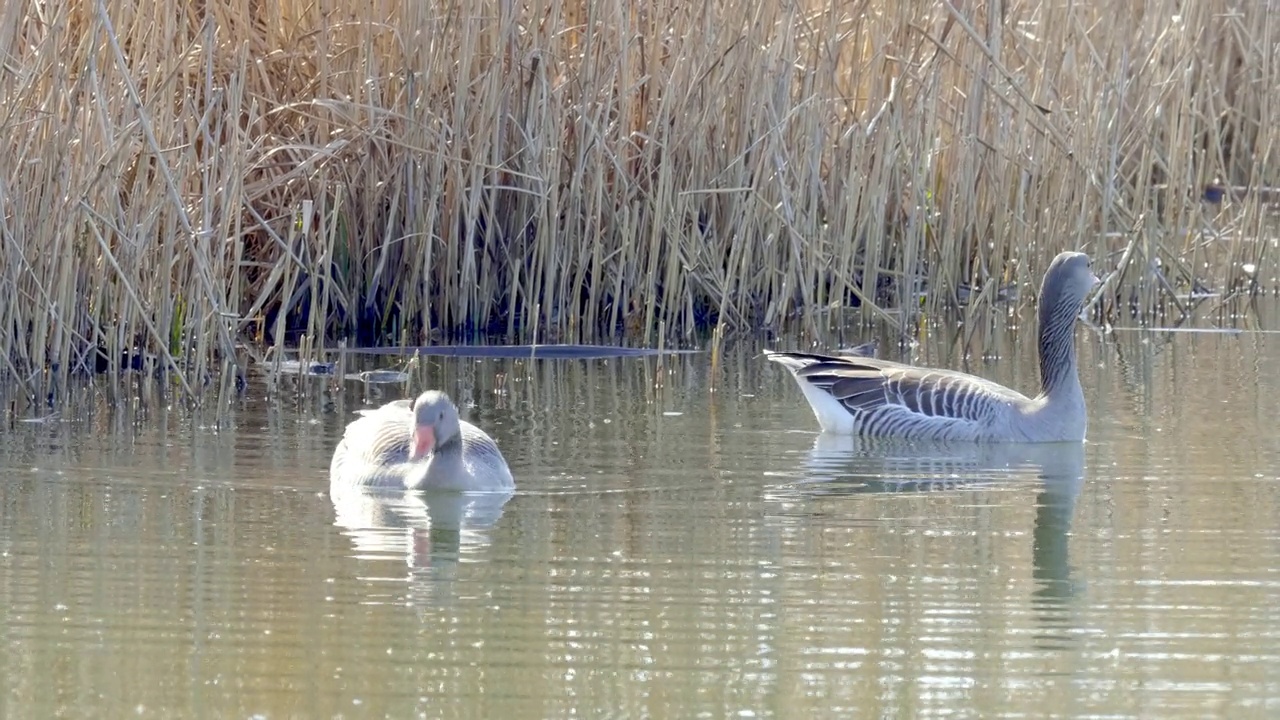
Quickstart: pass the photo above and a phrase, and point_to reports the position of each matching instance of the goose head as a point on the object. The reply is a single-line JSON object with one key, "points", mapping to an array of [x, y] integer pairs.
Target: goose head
{"points": [[435, 424], [1067, 283]]}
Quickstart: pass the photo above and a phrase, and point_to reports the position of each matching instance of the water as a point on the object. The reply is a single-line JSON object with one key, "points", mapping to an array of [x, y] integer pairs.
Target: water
{"points": [[670, 552]]}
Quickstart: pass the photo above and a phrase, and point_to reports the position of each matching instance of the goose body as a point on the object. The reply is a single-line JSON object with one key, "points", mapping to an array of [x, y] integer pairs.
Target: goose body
{"points": [[869, 397], [418, 444]]}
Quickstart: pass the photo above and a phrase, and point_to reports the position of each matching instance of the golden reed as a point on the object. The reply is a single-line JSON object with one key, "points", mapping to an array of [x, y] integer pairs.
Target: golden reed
{"points": [[178, 177]]}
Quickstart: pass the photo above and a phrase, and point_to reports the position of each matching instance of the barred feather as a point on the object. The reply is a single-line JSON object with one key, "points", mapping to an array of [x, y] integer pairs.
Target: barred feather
{"points": [[870, 397]]}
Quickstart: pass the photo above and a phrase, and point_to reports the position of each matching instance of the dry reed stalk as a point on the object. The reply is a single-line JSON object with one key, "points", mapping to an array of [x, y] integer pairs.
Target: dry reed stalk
{"points": [[175, 173]]}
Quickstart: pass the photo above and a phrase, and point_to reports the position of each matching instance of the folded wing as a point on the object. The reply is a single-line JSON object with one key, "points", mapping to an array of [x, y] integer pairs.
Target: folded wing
{"points": [[888, 398]]}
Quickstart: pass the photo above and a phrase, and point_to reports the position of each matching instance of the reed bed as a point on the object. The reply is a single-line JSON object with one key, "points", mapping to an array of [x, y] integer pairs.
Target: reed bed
{"points": [[179, 180]]}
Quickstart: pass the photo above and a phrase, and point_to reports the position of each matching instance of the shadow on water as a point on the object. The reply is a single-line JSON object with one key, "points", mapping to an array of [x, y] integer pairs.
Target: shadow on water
{"points": [[839, 466], [432, 531]]}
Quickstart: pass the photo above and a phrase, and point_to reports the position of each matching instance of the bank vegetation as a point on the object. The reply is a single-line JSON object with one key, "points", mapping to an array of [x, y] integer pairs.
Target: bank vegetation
{"points": [[179, 180]]}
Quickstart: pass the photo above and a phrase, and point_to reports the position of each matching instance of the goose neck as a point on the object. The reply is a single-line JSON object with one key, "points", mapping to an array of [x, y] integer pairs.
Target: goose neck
{"points": [[1057, 348]]}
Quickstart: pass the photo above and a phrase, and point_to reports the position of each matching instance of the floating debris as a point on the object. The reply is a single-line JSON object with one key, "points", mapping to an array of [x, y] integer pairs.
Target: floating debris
{"points": [[380, 377], [966, 292], [297, 367], [1004, 293], [866, 349], [1192, 330], [1215, 193], [563, 352]]}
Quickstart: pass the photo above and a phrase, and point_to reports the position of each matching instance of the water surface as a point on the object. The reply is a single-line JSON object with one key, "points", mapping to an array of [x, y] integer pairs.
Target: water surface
{"points": [[671, 551]]}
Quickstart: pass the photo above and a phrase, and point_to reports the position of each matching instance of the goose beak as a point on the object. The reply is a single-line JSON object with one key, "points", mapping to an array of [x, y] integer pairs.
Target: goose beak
{"points": [[424, 439]]}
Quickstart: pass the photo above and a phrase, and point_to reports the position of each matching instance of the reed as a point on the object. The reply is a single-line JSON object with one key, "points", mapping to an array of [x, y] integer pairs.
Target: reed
{"points": [[177, 178]]}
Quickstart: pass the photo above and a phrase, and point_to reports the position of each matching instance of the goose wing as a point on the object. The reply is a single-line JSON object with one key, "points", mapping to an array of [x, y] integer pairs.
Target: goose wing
{"points": [[401, 408], [379, 437], [882, 391], [477, 444]]}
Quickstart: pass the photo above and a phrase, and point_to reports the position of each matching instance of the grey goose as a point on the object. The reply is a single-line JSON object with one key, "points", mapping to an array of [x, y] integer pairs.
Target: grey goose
{"points": [[418, 444], [869, 397]]}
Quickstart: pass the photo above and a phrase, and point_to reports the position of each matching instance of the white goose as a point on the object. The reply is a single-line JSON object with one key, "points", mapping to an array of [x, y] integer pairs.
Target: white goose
{"points": [[879, 398], [418, 444]]}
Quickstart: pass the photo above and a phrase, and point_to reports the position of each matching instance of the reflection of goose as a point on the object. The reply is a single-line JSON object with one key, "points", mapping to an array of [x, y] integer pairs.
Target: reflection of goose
{"points": [[843, 465], [859, 465], [1050, 565], [384, 523], [878, 398], [418, 445]]}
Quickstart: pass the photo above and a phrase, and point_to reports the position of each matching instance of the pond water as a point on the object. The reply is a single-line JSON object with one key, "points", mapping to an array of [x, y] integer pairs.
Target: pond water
{"points": [[672, 550]]}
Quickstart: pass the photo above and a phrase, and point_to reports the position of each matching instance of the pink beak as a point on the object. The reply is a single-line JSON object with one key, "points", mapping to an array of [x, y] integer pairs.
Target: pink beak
{"points": [[424, 439]]}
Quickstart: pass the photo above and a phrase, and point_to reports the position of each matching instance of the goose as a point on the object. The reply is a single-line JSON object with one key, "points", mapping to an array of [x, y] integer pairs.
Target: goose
{"points": [[418, 444], [868, 397]]}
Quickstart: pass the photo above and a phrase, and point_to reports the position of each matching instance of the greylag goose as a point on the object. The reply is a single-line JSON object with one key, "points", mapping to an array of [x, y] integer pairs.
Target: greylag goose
{"points": [[418, 444], [879, 398]]}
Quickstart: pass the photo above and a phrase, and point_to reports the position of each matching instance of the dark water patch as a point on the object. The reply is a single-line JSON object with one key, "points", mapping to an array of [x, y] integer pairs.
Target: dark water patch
{"points": [[544, 352]]}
